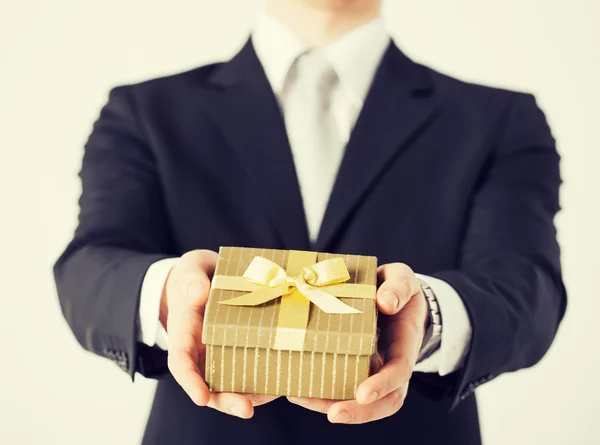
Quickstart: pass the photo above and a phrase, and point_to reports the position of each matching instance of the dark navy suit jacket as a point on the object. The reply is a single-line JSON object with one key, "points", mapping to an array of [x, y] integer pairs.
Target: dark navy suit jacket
{"points": [[459, 181]]}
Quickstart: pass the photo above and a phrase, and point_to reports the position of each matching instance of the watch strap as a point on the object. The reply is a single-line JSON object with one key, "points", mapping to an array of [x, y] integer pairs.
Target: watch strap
{"points": [[433, 334]]}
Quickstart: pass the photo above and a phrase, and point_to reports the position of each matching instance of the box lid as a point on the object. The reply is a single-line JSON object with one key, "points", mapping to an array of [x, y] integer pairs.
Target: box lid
{"points": [[253, 327]]}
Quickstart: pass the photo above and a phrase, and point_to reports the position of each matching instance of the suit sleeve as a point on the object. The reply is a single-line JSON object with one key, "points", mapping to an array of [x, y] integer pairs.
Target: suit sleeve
{"points": [[510, 275], [122, 230]]}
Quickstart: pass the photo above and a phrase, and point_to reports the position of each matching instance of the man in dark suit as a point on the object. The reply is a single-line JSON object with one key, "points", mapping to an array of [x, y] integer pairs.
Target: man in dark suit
{"points": [[320, 134]]}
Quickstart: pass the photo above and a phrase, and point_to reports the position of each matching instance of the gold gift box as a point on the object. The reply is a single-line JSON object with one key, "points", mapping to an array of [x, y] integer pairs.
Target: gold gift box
{"points": [[273, 347]]}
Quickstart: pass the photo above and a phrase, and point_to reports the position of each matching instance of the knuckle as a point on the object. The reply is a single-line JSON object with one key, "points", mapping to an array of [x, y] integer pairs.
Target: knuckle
{"points": [[199, 258], [316, 405], [368, 416], [402, 269], [311, 404], [180, 356], [217, 403], [404, 363], [389, 387], [407, 270], [192, 256], [204, 281], [197, 289], [205, 253], [212, 404], [201, 282], [321, 406], [397, 400], [402, 286], [385, 386], [396, 270], [403, 366]]}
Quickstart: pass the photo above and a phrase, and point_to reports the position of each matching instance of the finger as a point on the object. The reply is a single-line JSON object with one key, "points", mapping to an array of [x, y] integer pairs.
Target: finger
{"points": [[192, 277], [393, 375], [206, 260], [260, 399], [318, 405], [399, 284], [186, 373], [350, 411], [405, 337], [183, 355], [232, 404], [375, 363]]}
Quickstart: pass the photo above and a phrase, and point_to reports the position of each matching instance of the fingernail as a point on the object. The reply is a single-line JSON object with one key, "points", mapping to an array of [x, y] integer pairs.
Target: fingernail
{"points": [[298, 400], [371, 397], [390, 297], [342, 417]]}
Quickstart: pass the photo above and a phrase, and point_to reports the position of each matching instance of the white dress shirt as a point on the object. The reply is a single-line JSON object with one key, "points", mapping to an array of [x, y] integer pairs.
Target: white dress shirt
{"points": [[355, 57]]}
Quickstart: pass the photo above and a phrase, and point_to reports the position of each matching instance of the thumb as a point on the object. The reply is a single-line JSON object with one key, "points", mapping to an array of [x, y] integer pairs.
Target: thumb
{"points": [[194, 270], [398, 286]]}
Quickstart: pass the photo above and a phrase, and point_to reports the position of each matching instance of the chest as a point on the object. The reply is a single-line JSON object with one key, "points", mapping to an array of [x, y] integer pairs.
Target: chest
{"points": [[404, 184]]}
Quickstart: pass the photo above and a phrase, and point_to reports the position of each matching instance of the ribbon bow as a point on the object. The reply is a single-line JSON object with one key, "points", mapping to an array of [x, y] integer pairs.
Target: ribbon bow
{"points": [[273, 282]]}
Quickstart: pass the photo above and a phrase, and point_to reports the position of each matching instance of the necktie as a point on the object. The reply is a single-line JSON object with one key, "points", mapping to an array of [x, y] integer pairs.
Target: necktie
{"points": [[312, 133]]}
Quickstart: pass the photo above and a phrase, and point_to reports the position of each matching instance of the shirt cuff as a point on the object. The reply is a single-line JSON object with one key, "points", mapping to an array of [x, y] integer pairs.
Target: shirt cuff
{"points": [[151, 330], [456, 330]]}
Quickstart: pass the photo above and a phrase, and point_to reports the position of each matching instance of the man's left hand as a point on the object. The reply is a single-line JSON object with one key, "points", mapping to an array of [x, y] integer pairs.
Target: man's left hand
{"points": [[404, 317]]}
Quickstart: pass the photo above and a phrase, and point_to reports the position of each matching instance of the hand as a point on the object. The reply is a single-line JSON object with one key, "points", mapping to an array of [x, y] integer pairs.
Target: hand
{"points": [[182, 313], [404, 317]]}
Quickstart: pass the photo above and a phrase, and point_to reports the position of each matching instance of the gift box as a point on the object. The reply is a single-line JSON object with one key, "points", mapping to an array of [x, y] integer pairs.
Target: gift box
{"points": [[287, 322]]}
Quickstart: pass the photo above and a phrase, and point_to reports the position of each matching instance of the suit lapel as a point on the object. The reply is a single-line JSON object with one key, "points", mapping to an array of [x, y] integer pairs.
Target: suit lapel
{"points": [[399, 105], [245, 109]]}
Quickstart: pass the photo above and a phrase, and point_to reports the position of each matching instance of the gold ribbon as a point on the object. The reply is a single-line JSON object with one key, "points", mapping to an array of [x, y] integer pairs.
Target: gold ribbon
{"points": [[300, 284]]}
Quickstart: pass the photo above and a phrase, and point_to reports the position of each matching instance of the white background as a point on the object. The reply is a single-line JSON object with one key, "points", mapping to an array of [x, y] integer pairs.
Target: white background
{"points": [[58, 60]]}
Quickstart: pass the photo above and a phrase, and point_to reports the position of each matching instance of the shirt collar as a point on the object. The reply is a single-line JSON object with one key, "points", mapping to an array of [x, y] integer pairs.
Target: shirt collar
{"points": [[354, 56], [277, 47]]}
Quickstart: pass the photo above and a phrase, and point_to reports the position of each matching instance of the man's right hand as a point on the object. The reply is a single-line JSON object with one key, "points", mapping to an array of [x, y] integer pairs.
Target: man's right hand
{"points": [[182, 314]]}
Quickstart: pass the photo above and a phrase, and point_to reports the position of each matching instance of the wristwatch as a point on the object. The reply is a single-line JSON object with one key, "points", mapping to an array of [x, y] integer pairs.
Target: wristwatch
{"points": [[433, 334]]}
